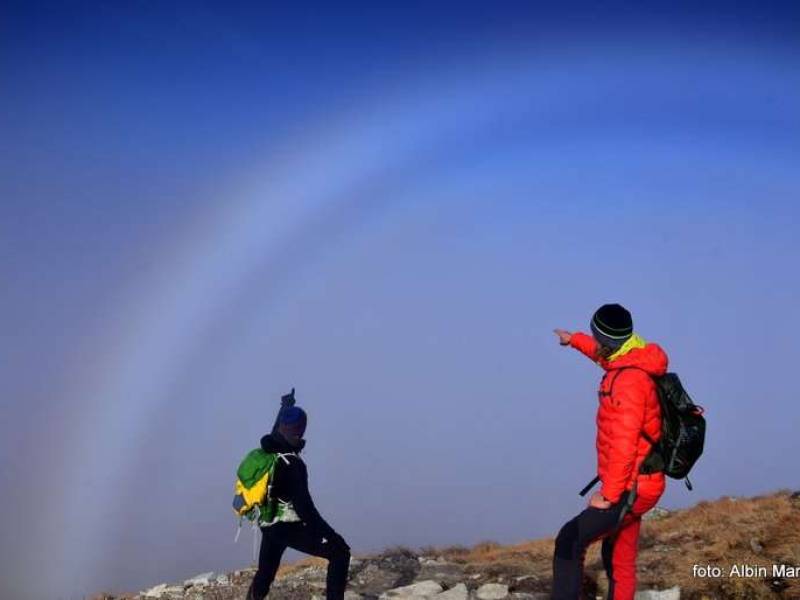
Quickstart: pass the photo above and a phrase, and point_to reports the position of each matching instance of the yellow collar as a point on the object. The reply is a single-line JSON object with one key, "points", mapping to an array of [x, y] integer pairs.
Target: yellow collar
{"points": [[635, 341]]}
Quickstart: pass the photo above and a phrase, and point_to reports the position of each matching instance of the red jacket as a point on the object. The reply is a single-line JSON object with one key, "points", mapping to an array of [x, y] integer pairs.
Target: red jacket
{"points": [[624, 412]]}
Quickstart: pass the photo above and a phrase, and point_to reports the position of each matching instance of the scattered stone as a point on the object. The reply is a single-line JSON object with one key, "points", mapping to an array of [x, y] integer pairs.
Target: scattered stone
{"points": [[458, 592], [756, 546], [373, 580], [202, 579], [446, 573], [373, 576], [656, 514], [529, 584], [778, 584], [670, 594], [351, 595], [223, 579], [156, 591], [423, 589], [492, 591], [530, 596], [175, 590]]}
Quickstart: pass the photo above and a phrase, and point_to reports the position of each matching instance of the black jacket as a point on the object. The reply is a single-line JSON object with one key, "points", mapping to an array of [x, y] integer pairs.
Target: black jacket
{"points": [[291, 485]]}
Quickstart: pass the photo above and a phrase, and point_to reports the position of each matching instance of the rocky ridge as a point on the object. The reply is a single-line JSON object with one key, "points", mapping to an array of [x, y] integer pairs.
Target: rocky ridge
{"points": [[394, 575], [759, 531]]}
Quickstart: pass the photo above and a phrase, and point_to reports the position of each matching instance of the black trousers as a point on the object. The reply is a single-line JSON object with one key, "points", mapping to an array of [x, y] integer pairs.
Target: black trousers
{"points": [[571, 544], [278, 537]]}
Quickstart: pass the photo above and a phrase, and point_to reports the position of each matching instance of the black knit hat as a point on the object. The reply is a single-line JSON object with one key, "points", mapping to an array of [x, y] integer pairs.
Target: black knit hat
{"points": [[612, 325]]}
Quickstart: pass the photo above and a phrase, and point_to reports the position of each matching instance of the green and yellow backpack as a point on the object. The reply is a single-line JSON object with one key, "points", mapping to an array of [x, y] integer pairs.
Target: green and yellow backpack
{"points": [[254, 478]]}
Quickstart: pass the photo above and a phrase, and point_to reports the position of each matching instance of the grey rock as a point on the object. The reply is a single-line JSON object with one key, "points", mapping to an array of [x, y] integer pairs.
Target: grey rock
{"points": [[223, 579], [756, 546], [202, 579], [156, 591], [530, 596], [373, 576], [447, 573], [529, 584], [656, 514], [422, 589], [372, 580], [351, 595], [458, 592], [492, 591], [673, 593]]}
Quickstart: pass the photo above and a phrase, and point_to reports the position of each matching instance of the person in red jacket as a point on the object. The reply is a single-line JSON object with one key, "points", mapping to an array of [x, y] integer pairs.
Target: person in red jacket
{"points": [[628, 420]]}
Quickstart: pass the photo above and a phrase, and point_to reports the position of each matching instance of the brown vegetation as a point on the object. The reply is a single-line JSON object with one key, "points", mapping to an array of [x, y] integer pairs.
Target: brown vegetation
{"points": [[762, 531]]}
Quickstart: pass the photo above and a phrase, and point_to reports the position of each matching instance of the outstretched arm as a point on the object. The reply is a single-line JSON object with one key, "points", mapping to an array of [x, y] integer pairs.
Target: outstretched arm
{"points": [[580, 341]]}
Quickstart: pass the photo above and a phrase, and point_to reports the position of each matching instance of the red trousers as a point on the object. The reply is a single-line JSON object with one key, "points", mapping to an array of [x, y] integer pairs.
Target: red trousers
{"points": [[620, 543]]}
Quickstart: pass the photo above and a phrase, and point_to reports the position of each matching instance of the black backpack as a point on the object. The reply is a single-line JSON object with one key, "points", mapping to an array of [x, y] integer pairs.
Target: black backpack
{"points": [[683, 431]]}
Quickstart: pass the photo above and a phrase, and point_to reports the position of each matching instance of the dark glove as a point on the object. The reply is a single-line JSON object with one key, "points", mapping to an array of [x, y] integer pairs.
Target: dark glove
{"points": [[337, 540], [287, 400]]}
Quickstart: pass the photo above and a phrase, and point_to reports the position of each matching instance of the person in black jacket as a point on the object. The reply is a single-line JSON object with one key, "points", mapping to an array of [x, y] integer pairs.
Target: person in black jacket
{"points": [[298, 524]]}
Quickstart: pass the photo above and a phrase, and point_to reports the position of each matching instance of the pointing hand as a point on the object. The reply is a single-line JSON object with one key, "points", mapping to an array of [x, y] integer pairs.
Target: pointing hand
{"points": [[564, 337], [287, 400]]}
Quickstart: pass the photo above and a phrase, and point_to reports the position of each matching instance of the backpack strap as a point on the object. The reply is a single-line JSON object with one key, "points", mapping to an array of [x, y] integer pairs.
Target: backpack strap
{"points": [[647, 462], [644, 434], [596, 479], [589, 486], [614, 380], [283, 455]]}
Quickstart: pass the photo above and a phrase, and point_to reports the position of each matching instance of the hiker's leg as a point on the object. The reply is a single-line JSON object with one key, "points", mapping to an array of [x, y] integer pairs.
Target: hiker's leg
{"points": [[269, 559], [619, 554], [571, 544], [623, 560], [300, 538]]}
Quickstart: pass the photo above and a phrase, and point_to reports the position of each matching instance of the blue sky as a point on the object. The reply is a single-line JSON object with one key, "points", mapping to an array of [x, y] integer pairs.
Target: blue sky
{"points": [[390, 208]]}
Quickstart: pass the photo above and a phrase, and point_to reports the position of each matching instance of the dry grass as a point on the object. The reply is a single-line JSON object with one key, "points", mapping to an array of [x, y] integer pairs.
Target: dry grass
{"points": [[291, 568], [529, 558], [750, 531], [717, 533]]}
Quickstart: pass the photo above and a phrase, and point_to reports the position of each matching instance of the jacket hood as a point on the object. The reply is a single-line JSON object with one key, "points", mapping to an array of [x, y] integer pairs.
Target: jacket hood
{"points": [[651, 359], [275, 442]]}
